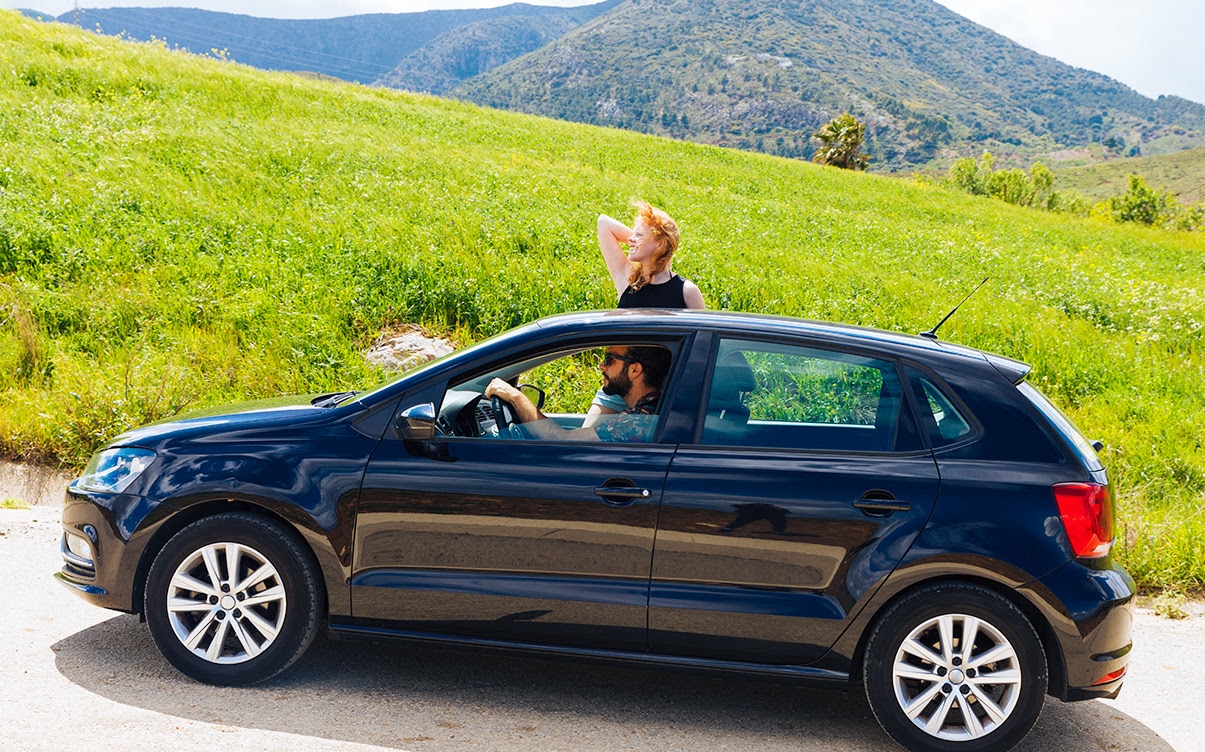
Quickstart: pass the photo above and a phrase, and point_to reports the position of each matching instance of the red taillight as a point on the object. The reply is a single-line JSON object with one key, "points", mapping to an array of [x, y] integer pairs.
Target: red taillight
{"points": [[1087, 512]]}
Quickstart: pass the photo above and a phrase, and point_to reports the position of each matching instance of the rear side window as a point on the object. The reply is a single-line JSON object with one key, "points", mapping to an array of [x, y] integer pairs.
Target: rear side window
{"points": [[780, 396], [980, 417]]}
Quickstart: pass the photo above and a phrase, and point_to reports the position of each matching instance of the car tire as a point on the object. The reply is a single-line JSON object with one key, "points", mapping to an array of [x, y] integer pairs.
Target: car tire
{"points": [[929, 691], [233, 599]]}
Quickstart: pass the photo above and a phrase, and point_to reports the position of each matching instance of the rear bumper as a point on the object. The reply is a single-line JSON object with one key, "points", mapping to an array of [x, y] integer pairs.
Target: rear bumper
{"points": [[1094, 631]]}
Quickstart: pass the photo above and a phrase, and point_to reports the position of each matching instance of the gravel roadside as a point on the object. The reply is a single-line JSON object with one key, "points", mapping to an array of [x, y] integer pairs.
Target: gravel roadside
{"points": [[82, 678]]}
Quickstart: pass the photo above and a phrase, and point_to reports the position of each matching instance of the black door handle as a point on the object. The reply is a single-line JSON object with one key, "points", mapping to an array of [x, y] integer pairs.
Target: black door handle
{"points": [[881, 506], [879, 503], [622, 492]]}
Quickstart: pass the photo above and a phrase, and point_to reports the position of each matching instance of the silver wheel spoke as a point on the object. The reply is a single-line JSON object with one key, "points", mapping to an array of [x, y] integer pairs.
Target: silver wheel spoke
{"points": [[970, 629], [1004, 676], [183, 605], [272, 595], [193, 638], [219, 638], [909, 671], [938, 719], [184, 581], [210, 556], [969, 719], [233, 551], [946, 626], [989, 705], [997, 653], [924, 652], [250, 647], [265, 572], [918, 703], [265, 627]]}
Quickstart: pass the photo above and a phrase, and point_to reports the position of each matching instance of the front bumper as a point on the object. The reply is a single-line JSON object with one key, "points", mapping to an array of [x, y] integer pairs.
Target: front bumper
{"points": [[107, 522]]}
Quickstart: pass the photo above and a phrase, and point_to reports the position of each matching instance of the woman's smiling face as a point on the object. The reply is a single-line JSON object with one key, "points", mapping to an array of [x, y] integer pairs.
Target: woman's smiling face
{"points": [[642, 244]]}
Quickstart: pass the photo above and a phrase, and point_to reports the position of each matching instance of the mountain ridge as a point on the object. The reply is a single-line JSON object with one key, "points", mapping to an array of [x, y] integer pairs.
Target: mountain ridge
{"points": [[759, 75]]}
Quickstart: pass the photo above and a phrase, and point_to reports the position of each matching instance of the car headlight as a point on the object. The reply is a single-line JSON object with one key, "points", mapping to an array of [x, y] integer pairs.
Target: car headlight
{"points": [[113, 470]]}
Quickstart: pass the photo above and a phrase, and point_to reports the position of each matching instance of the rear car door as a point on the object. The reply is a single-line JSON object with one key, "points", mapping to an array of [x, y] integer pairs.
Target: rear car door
{"points": [[807, 484]]}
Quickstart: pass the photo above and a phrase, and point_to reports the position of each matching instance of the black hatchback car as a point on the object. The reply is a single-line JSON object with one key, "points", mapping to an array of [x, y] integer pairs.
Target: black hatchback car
{"points": [[798, 500]]}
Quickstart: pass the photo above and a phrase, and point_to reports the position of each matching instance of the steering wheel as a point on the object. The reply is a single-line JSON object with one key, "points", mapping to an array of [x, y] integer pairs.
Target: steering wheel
{"points": [[500, 416]]}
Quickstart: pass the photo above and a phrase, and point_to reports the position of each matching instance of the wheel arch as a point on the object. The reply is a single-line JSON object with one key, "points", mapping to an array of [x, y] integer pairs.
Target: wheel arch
{"points": [[182, 518], [1055, 664]]}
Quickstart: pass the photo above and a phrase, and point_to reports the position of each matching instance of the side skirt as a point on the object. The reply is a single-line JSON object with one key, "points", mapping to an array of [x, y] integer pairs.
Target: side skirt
{"points": [[816, 677]]}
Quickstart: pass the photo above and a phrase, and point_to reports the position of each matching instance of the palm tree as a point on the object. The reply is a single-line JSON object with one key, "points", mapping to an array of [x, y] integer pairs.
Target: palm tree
{"points": [[841, 140]]}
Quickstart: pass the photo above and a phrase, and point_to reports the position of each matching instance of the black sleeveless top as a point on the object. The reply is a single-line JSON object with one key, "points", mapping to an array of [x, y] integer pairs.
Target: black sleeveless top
{"points": [[668, 294]]}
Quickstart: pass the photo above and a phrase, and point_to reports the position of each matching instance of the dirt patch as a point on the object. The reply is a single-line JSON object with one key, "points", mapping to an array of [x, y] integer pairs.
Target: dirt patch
{"points": [[406, 348]]}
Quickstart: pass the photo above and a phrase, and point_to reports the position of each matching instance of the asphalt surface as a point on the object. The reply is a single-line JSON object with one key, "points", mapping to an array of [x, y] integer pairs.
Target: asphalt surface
{"points": [[75, 677]]}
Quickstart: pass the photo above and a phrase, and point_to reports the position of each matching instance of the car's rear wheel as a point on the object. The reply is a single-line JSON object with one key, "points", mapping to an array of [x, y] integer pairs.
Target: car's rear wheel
{"points": [[955, 666], [232, 599]]}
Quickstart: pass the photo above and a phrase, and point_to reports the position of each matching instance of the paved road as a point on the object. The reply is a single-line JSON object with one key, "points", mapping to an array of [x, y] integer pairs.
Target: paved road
{"points": [[79, 678]]}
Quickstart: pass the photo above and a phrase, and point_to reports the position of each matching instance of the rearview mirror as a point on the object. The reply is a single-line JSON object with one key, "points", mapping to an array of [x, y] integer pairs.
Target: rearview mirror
{"points": [[416, 423]]}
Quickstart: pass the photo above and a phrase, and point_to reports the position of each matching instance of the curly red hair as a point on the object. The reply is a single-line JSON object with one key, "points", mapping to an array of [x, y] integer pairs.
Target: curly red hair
{"points": [[662, 227]]}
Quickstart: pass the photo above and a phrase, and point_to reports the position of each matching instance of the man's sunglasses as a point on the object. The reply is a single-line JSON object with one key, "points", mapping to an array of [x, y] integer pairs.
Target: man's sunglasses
{"points": [[607, 357]]}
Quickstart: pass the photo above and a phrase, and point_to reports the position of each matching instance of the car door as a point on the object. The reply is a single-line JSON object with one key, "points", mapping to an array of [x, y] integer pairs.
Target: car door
{"points": [[510, 539], [806, 486]]}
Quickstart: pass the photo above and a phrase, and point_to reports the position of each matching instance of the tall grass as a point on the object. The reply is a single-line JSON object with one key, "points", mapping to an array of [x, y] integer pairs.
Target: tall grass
{"points": [[177, 232]]}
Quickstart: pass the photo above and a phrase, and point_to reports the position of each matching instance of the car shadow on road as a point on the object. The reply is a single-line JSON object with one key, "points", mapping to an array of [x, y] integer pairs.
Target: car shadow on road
{"points": [[407, 697]]}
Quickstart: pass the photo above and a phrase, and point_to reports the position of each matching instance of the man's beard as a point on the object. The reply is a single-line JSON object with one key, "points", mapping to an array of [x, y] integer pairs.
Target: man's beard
{"points": [[618, 386]]}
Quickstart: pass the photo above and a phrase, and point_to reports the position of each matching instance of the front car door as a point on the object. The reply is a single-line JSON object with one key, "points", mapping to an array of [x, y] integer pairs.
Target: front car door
{"points": [[510, 538], [807, 484]]}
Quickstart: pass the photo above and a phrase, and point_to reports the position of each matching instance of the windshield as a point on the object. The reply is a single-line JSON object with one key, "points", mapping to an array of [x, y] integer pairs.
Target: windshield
{"points": [[367, 397]]}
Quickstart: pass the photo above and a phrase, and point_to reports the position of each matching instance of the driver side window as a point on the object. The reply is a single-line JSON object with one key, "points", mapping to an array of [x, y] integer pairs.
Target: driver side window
{"points": [[560, 388]]}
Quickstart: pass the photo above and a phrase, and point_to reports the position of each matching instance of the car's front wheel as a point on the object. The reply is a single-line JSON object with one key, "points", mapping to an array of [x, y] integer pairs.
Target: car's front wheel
{"points": [[232, 599], [955, 667]]}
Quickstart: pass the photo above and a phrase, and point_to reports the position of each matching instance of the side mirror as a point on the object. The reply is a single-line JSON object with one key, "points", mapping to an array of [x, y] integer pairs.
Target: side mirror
{"points": [[416, 423], [534, 393]]}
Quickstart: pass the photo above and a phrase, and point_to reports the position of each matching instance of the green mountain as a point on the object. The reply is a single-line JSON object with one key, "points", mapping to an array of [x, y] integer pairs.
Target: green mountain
{"points": [[361, 48], [765, 74], [473, 49]]}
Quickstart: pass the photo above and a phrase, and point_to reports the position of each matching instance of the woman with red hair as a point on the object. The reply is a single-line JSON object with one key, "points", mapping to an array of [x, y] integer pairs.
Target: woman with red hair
{"points": [[643, 276]]}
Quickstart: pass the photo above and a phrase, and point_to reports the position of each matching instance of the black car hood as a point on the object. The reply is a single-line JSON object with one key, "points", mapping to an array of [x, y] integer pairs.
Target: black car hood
{"points": [[262, 413]]}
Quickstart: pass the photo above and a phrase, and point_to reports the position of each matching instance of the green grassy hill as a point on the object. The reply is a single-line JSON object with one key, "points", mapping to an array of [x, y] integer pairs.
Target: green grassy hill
{"points": [[177, 232], [1182, 173]]}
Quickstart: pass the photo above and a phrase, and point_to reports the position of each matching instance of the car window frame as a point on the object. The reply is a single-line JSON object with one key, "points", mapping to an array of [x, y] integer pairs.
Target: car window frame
{"points": [[679, 344], [896, 362], [924, 418]]}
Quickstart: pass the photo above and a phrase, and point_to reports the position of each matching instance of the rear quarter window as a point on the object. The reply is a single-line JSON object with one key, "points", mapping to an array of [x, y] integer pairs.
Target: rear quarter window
{"points": [[980, 418]]}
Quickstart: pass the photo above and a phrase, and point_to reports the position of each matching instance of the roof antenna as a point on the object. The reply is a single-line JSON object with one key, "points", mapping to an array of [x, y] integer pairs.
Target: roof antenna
{"points": [[932, 333]]}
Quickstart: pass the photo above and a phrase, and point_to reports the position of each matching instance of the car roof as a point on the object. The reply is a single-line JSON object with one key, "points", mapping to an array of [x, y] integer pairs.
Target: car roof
{"points": [[904, 345]]}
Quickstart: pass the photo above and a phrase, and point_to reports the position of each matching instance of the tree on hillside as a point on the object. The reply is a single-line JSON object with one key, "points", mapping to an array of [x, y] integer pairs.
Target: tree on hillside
{"points": [[841, 143], [1015, 186], [1142, 203]]}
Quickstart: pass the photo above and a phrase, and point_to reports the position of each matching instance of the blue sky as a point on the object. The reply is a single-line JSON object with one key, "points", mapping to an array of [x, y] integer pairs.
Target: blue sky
{"points": [[1154, 46]]}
